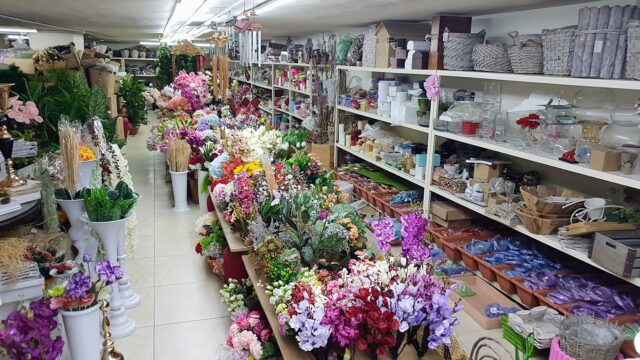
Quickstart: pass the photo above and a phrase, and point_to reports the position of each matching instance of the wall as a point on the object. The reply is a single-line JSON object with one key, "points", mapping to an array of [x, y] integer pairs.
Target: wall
{"points": [[41, 40]]}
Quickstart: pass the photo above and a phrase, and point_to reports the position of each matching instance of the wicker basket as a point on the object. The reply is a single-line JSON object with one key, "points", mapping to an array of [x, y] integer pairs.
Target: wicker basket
{"points": [[558, 46], [540, 225], [526, 54], [574, 331], [633, 50], [454, 186], [534, 198], [458, 49], [522, 39], [492, 58]]}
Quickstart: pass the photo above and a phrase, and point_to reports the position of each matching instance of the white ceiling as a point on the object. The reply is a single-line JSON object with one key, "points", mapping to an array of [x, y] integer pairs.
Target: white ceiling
{"points": [[135, 20]]}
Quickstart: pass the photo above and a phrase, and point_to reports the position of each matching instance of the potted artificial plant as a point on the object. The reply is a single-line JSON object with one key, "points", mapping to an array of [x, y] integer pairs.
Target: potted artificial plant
{"points": [[107, 213], [135, 106]]}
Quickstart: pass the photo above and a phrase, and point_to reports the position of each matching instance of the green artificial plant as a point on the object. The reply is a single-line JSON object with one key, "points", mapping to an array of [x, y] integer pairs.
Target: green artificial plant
{"points": [[104, 205], [132, 92], [164, 76]]}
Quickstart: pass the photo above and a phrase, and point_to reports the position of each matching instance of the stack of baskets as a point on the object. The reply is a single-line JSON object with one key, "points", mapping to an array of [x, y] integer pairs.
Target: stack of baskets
{"points": [[458, 49], [633, 50], [526, 53], [542, 217]]}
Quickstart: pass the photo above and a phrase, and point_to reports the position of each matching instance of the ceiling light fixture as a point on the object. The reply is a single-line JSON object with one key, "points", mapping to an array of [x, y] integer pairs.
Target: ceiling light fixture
{"points": [[17, 37], [150, 43], [273, 4], [183, 10], [8, 30]]}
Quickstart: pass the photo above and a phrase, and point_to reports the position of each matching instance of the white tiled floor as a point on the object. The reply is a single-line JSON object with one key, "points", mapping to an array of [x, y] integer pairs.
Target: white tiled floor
{"points": [[180, 316]]}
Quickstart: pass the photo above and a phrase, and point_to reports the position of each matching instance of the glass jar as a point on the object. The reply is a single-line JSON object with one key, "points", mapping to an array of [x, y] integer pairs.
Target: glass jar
{"points": [[629, 163], [590, 137], [623, 128]]}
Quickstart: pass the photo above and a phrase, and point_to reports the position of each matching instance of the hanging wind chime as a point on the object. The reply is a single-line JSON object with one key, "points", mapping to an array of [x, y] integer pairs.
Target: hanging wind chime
{"points": [[249, 38], [220, 64]]}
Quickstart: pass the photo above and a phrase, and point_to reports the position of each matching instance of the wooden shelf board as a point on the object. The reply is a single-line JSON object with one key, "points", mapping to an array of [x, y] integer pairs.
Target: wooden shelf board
{"points": [[233, 239]]}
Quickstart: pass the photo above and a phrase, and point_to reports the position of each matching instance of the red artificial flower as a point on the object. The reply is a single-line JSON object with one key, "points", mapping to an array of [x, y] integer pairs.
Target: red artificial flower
{"points": [[199, 248]]}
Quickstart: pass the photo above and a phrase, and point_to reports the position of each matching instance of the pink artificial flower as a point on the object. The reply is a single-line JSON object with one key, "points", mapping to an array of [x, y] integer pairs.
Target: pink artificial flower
{"points": [[432, 86], [56, 303], [23, 113]]}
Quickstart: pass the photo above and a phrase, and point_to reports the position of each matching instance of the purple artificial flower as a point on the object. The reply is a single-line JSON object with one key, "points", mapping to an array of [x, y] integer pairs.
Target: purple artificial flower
{"points": [[384, 233], [441, 320], [310, 332], [108, 272], [413, 229], [86, 257], [78, 286]]}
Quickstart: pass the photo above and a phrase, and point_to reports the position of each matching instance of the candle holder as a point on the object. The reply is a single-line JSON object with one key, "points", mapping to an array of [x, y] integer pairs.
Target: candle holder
{"points": [[6, 141]]}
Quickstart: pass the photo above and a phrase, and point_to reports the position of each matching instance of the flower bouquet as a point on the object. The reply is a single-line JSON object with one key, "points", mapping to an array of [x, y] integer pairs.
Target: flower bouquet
{"points": [[78, 299], [239, 296], [193, 88], [212, 245], [250, 337]]}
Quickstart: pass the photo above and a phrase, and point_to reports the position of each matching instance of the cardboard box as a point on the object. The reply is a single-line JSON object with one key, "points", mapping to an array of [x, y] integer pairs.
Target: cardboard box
{"points": [[605, 159], [103, 80], [450, 223], [449, 211], [324, 153], [484, 172]]}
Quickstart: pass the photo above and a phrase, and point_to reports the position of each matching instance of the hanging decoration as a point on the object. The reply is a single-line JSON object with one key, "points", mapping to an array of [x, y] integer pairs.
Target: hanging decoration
{"points": [[186, 47], [220, 64], [249, 38]]}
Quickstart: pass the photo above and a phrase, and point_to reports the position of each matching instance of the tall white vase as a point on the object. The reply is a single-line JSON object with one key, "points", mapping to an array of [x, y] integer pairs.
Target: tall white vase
{"points": [[130, 298], [85, 173], [203, 196], [110, 233], [83, 333], [179, 184], [79, 232]]}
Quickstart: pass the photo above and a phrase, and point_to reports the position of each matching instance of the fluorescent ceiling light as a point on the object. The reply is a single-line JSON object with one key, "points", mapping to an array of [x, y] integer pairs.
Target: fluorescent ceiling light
{"points": [[272, 5], [181, 13], [7, 30], [150, 43], [202, 45], [17, 37]]}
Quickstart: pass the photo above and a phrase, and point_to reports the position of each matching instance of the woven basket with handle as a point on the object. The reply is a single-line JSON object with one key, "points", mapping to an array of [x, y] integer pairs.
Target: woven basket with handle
{"points": [[526, 54], [491, 57]]}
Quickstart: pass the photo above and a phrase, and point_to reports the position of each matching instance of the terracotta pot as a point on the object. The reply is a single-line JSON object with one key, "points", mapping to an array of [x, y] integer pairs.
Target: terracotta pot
{"points": [[193, 190], [133, 130]]}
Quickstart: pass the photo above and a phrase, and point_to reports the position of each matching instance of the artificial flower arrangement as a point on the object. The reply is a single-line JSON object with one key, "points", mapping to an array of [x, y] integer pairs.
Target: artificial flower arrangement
{"points": [[27, 333], [49, 54], [239, 296], [193, 87], [212, 243], [529, 122], [24, 113], [80, 292], [86, 153]]}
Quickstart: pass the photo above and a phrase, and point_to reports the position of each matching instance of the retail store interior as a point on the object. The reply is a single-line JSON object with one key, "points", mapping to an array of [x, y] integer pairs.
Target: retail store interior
{"points": [[280, 179]]}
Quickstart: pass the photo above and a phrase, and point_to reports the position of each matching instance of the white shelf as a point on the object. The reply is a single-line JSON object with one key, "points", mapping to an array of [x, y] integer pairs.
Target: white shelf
{"points": [[545, 79], [290, 114], [545, 239], [383, 166], [265, 109], [262, 85], [387, 120], [388, 70], [143, 75], [286, 88], [548, 159], [135, 59], [621, 84]]}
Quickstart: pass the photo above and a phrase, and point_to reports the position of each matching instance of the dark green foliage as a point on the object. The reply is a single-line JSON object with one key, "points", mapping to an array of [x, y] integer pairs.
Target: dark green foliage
{"points": [[13, 75], [164, 77], [109, 205], [132, 92]]}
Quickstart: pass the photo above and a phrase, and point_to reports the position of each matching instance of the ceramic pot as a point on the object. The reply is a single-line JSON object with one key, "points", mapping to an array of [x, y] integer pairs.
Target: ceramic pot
{"points": [[79, 232], [83, 332], [130, 298], [111, 233], [142, 54], [134, 54], [133, 130], [125, 53], [85, 173], [179, 184], [202, 196]]}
